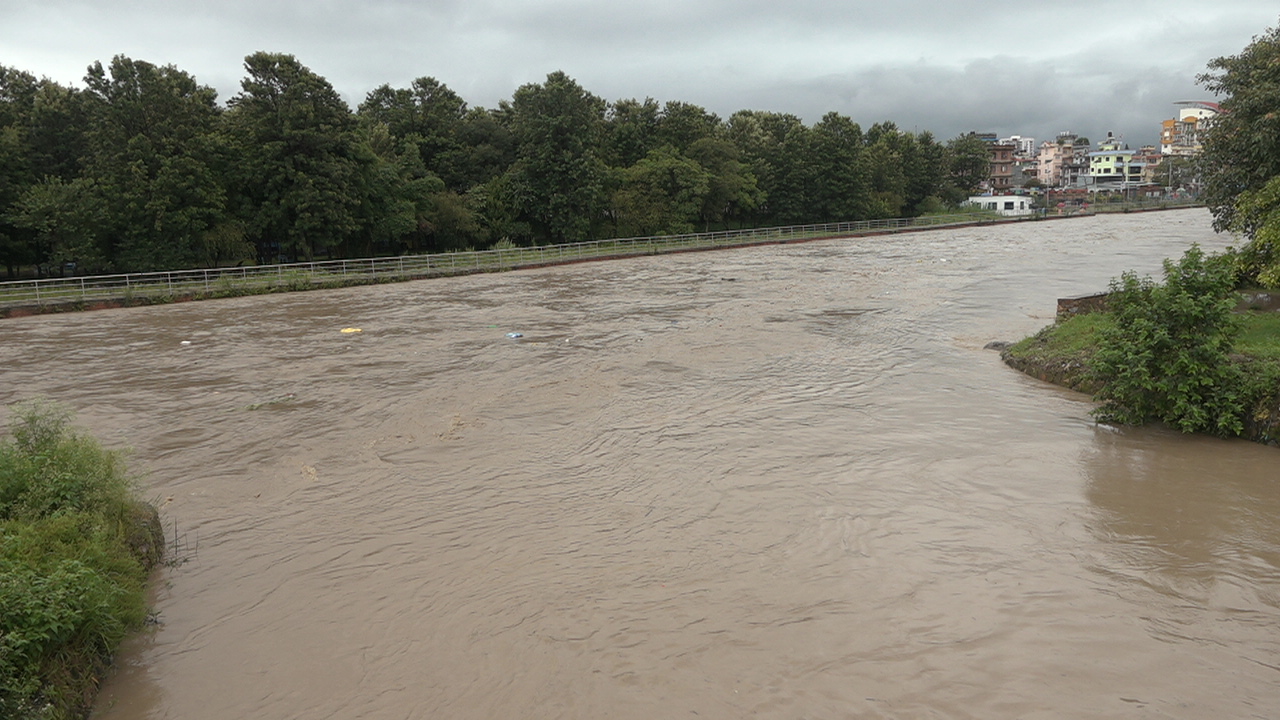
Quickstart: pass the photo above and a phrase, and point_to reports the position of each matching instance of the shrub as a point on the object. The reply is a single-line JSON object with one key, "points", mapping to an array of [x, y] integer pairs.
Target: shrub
{"points": [[1166, 355], [70, 584]]}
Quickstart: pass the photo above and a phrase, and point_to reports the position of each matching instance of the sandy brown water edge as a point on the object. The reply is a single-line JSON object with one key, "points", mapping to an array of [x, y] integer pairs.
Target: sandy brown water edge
{"points": [[783, 481]]}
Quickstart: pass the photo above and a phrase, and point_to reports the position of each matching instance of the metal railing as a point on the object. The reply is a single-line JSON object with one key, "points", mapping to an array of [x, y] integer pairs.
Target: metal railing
{"points": [[226, 282]]}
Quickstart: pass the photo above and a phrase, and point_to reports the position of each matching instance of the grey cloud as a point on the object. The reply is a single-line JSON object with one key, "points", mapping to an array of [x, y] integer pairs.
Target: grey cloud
{"points": [[944, 66]]}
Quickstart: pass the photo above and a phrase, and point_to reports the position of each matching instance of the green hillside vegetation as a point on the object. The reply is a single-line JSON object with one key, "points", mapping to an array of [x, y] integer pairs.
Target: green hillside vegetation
{"points": [[75, 551]]}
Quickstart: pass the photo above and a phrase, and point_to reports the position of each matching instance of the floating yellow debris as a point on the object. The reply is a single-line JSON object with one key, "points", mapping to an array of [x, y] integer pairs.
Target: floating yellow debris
{"points": [[351, 330]]}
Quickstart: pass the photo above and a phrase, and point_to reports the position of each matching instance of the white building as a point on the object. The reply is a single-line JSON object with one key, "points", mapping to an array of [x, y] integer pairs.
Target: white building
{"points": [[1024, 147], [1007, 205]]}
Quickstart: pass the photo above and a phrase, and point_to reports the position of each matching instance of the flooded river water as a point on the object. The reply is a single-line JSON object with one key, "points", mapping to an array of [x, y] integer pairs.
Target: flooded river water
{"points": [[778, 482]]}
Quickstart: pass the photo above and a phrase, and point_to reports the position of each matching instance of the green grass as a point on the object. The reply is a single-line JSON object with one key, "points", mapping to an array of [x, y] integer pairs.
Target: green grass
{"points": [[75, 549], [1259, 336], [1075, 338]]}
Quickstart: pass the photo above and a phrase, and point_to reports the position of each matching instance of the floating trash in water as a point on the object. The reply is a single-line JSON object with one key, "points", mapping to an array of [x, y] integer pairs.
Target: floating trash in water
{"points": [[348, 331], [515, 335], [185, 342]]}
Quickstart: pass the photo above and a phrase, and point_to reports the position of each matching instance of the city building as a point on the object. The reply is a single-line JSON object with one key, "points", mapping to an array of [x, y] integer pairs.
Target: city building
{"points": [[1001, 176], [1181, 136], [1024, 147], [1112, 166], [1062, 162]]}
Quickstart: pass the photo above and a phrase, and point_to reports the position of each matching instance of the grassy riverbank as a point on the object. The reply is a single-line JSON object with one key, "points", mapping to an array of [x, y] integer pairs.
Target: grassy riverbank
{"points": [[1064, 354], [75, 551]]}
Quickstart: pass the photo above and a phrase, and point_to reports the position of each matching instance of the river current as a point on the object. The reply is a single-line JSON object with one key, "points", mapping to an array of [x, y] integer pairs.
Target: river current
{"points": [[781, 482]]}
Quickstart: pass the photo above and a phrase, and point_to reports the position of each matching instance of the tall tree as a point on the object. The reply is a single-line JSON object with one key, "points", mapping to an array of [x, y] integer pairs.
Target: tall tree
{"points": [[558, 178], [430, 114], [487, 147], [842, 187], [661, 194], [151, 157], [926, 172], [732, 189], [969, 164], [777, 148], [631, 131], [299, 165], [42, 136], [682, 124]]}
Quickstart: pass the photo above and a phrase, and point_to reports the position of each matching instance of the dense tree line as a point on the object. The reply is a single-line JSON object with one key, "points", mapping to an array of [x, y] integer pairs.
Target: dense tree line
{"points": [[143, 169]]}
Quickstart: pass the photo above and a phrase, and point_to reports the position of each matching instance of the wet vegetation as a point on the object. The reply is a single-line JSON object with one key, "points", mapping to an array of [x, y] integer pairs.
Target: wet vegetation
{"points": [[75, 550], [1175, 352], [144, 169]]}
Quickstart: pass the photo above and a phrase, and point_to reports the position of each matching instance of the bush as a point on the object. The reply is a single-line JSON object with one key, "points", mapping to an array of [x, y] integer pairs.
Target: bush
{"points": [[1166, 355], [71, 579]]}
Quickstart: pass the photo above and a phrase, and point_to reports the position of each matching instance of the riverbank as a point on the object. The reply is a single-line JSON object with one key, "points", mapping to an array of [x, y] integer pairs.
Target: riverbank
{"points": [[1062, 354], [76, 548]]}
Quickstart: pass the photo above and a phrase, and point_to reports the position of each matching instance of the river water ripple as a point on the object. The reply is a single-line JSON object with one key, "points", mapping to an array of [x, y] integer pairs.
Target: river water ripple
{"points": [[780, 482]]}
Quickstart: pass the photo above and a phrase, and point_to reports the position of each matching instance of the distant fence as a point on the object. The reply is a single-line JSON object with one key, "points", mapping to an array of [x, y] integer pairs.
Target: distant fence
{"points": [[144, 288]]}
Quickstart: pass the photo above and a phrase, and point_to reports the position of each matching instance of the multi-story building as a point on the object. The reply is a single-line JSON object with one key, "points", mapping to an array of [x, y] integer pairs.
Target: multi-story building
{"points": [[1113, 166], [1024, 147], [1002, 166], [1150, 157], [1181, 135], [1062, 161]]}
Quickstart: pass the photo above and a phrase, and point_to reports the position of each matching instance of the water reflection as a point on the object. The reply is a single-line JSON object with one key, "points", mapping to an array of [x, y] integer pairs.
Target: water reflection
{"points": [[1190, 517]]}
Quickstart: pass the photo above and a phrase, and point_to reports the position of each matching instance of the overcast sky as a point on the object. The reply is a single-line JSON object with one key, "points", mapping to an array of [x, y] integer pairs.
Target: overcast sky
{"points": [[1030, 68]]}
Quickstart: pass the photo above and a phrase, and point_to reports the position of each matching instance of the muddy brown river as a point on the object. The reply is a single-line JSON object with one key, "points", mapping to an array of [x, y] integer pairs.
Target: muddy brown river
{"points": [[776, 482]]}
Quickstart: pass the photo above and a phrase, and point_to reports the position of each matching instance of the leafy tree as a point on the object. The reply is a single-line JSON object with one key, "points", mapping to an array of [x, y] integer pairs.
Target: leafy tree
{"points": [[663, 193], [682, 124], [1166, 356], [487, 147], [887, 153], [842, 190], [430, 114], [777, 149], [970, 164], [558, 177], [1240, 164], [926, 171], [63, 220], [41, 136], [1257, 212], [1242, 144], [299, 168], [731, 188], [631, 131], [151, 157]]}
